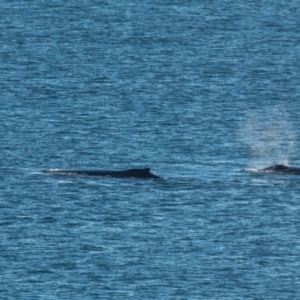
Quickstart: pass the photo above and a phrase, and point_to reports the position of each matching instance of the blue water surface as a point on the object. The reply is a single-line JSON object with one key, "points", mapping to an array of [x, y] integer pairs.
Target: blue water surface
{"points": [[205, 93]]}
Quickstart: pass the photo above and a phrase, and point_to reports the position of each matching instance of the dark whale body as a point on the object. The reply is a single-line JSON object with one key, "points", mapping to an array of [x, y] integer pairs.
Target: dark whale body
{"points": [[283, 169], [135, 173]]}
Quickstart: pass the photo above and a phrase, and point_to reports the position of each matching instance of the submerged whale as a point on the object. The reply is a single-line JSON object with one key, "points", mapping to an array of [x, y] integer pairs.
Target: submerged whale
{"points": [[135, 173], [283, 169]]}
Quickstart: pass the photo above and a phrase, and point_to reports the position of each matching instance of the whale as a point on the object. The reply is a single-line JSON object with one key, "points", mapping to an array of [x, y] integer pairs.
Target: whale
{"points": [[130, 173], [283, 169]]}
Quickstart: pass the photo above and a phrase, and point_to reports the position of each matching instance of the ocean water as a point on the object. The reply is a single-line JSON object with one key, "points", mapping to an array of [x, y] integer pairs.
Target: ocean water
{"points": [[204, 93]]}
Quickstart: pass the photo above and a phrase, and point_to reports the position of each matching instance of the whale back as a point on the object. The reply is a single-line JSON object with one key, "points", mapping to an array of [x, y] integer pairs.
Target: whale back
{"points": [[136, 173], [277, 168], [283, 169]]}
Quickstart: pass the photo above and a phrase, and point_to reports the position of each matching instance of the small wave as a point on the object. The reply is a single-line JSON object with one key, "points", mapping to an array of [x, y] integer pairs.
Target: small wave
{"points": [[252, 170]]}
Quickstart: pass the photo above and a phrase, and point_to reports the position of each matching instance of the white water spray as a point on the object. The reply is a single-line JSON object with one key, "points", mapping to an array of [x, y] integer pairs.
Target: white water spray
{"points": [[270, 137]]}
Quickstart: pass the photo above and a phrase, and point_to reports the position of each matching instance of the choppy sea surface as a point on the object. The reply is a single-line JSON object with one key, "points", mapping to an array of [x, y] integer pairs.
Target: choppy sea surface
{"points": [[204, 93]]}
